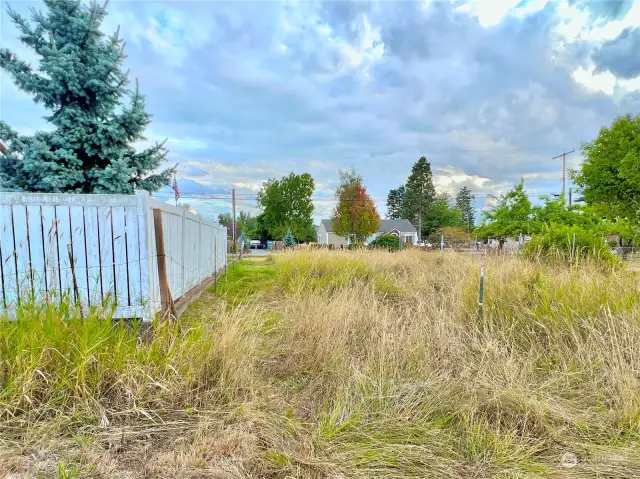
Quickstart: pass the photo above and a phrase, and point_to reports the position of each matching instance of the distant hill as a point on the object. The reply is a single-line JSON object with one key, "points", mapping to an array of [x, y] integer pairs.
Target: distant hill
{"points": [[187, 187]]}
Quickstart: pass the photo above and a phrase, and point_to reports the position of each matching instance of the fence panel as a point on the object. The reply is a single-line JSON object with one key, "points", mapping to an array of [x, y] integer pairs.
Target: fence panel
{"points": [[63, 238], [132, 249], [78, 245], [109, 242], [10, 293]]}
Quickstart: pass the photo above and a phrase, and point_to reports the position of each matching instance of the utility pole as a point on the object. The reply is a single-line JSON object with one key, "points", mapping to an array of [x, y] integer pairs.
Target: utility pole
{"points": [[564, 168], [233, 219], [569, 197]]}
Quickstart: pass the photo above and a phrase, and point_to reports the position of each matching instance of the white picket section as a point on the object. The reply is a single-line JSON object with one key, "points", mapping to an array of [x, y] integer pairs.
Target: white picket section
{"points": [[111, 239]]}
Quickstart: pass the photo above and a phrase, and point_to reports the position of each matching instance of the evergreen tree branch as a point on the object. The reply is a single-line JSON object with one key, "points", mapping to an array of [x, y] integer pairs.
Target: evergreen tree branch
{"points": [[30, 37], [22, 74]]}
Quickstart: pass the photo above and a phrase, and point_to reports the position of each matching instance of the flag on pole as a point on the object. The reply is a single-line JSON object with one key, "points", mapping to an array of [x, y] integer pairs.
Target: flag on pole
{"points": [[175, 188]]}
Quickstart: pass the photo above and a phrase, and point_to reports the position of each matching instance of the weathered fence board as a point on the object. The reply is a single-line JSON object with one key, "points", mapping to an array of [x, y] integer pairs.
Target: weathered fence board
{"points": [[8, 258], [109, 242]]}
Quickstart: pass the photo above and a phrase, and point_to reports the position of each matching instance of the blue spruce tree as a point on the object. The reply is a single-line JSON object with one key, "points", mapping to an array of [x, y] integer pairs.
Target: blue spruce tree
{"points": [[80, 80], [288, 239], [245, 240]]}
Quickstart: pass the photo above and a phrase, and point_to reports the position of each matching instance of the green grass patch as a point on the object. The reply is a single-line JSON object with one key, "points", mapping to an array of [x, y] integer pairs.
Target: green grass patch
{"points": [[245, 279]]}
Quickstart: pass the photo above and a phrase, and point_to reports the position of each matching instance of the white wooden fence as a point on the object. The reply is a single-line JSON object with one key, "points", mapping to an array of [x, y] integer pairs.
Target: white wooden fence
{"points": [[112, 242]]}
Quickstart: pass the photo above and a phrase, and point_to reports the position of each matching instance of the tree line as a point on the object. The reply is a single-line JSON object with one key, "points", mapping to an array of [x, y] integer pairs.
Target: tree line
{"points": [[429, 212], [287, 210]]}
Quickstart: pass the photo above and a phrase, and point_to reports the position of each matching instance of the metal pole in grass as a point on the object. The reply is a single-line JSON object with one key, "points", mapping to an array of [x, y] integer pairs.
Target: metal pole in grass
{"points": [[441, 242], [481, 294]]}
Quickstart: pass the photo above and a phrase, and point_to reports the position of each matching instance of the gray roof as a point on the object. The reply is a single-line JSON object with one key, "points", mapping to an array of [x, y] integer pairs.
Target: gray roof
{"points": [[403, 226]]}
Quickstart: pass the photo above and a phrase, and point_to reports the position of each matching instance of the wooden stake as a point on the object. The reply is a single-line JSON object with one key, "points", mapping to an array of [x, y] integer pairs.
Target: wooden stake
{"points": [[76, 292]]}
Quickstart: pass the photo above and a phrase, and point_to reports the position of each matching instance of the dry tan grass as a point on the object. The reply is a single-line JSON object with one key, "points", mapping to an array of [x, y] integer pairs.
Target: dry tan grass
{"points": [[361, 364]]}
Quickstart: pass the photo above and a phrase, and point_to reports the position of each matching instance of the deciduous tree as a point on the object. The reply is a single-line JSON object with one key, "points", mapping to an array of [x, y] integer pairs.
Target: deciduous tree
{"points": [[609, 177], [440, 213], [246, 222], [225, 219], [95, 119], [510, 217], [287, 205], [355, 215]]}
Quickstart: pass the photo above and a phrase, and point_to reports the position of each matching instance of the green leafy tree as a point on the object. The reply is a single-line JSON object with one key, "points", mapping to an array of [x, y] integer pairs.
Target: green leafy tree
{"points": [[553, 225], [609, 177], [261, 231], [555, 211], [288, 239], [95, 119], [225, 219], [419, 192], [246, 222], [396, 203], [464, 202], [510, 217], [355, 215], [287, 205], [440, 213]]}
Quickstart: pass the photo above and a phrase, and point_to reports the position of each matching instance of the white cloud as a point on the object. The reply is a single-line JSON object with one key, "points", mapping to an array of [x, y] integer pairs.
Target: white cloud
{"points": [[605, 82], [450, 179], [489, 12]]}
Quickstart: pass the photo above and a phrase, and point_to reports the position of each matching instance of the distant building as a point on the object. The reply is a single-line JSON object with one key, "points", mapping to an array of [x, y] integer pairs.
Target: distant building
{"points": [[400, 228]]}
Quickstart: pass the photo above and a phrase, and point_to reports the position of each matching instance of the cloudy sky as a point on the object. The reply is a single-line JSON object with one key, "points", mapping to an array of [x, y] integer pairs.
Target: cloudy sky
{"points": [[489, 91]]}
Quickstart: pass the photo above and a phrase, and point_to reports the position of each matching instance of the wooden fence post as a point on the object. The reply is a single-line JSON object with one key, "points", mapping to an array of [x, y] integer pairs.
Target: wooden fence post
{"points": [[165, 293]]}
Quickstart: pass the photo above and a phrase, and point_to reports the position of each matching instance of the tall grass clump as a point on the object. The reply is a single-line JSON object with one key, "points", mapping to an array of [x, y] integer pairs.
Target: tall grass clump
{"points": [[570, 244], [55, 362]]}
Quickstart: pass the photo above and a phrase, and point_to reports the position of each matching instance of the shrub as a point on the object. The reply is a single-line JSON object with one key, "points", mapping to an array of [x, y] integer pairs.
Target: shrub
{"points": [[556, 243], [386, 241]]}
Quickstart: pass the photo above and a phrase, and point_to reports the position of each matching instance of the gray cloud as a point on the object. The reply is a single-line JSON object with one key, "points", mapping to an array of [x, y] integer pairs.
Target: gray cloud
{"points": [[620, 55]]}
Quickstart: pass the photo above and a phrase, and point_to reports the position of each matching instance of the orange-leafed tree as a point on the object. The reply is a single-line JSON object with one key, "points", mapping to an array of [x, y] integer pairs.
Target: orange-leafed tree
{"points": [[355, 215]]}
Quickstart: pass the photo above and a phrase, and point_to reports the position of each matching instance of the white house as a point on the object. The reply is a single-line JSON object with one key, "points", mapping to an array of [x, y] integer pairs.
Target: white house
{"points": [[401, 228]]}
